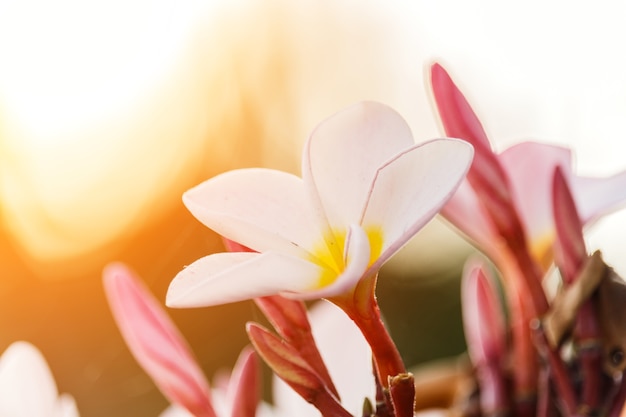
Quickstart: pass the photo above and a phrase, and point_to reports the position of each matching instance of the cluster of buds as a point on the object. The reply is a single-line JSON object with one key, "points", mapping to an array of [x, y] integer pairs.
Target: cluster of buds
{"points": [[525, 210], [366, 189]]}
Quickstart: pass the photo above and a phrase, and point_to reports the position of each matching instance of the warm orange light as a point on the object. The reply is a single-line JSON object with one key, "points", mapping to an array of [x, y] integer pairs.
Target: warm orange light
{"points": [[103, 113]]}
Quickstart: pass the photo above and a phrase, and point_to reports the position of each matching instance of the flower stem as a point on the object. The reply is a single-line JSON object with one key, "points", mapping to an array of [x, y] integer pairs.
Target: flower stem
{"points": [[560, 377], [361, 306]]}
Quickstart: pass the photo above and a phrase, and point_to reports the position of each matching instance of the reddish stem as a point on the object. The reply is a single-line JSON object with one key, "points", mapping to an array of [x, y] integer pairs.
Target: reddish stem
{"points": [[327, 404], [523, 349], [402, 392], [560, 376], [361, 306], [493, 390]]}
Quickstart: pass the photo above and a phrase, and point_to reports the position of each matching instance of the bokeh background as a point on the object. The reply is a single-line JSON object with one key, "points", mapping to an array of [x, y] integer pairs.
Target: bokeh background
{"points": [[109, 110]]}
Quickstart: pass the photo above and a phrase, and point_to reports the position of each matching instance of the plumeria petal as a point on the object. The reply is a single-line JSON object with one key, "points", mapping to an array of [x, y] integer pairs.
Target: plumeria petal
{"points": [[262, 209], [460, 121], [487, 175], [66, 406], [485, 333], [456, 114], [435, 168], [477, 227], [243, 389], [482, 315], [343, 154], [530, 167], [27, 388], [571, 251], [230, 277], [156, 343], [522, 174], [597, 196]]}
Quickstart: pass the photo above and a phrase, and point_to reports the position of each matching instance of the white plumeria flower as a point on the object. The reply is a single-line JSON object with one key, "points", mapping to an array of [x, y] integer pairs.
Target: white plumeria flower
{"points": [[27, 388], [366, 189]]}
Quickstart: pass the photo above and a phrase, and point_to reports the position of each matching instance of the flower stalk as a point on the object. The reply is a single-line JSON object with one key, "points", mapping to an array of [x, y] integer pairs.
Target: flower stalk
{"points": [[361, 306]]}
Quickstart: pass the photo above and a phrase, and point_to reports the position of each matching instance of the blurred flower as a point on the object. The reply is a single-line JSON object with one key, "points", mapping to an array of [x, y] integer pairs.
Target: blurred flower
{"points": [[156, 343], [515, 186], [485, 333], [366, 190], [163, 353], [27, 388], [511, 207]]}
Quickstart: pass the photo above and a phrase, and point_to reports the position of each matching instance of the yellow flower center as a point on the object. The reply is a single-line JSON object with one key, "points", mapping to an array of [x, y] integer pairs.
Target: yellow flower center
{"points": [[541, 249], [329, 253]]}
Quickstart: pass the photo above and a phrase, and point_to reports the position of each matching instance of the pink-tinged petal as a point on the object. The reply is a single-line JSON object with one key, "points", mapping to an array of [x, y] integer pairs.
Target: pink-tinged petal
{"points": [[597, 196], [347, 356], [530, 167], [232, 246], [343, 153], [357, 258], [155, 342], [487, 176], [460, 121], [244, 387], [229, 277], [259, 208], [570, 251], [457, 116], [465, 211], [486, 336], [410, 189], [27, 388], [482, 315]]}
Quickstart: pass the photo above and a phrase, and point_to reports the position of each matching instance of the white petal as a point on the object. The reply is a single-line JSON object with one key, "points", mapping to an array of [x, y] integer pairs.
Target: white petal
{"points": [[262, 209], [343, 153], [27, 388], [175, 411], [66, 406], [530, 167], [597, 196], [229, 277], [410, 189]]}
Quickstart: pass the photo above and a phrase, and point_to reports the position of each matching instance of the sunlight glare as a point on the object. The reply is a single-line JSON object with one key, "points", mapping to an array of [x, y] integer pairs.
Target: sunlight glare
{"points": [[100, 107]]}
